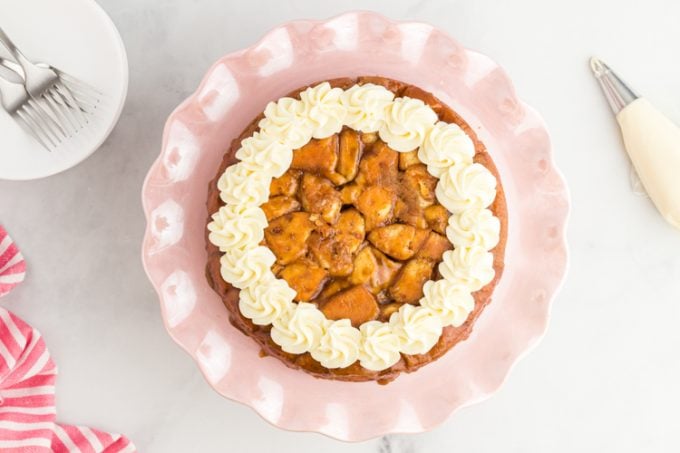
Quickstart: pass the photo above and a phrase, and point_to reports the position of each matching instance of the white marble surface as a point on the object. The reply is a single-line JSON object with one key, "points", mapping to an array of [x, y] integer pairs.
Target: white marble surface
{"points": [[604, 378]]}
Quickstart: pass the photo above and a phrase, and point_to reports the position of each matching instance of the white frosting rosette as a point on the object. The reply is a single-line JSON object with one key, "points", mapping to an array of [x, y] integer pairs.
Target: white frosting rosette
{"points": [[448, 300], [407, 123], [465, 188], [324, 110], [267, 301], [286, 122], [300, 329], [418, 328], [241, 185], [445, 145], [263, 154], [474, 227], [379, 346], [237, 227], [244, 268], [366, 106], [339, 346]]}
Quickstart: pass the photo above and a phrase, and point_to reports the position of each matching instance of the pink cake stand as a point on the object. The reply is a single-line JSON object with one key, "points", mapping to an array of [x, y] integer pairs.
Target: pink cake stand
{"points": [[233, 92]]}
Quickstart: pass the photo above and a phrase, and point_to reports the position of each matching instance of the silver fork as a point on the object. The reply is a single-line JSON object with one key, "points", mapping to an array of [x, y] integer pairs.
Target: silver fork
{"points": [[28, 113], [45, 84], [88, 98]]}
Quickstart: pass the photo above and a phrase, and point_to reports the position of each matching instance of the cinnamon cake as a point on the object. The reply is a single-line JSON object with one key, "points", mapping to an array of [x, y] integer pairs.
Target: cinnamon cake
{"points": [[356, 229]]}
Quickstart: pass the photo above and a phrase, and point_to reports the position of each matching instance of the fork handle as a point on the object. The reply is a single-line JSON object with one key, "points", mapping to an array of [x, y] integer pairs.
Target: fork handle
{"points": [[14, 51]]}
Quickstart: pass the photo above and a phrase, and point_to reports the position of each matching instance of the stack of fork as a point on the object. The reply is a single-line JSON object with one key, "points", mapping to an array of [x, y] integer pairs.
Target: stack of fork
{"points": [[49, 104]]}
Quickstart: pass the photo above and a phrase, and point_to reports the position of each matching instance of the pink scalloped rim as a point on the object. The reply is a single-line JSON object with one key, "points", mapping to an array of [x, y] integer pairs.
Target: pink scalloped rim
{"points": [[233, 92]]}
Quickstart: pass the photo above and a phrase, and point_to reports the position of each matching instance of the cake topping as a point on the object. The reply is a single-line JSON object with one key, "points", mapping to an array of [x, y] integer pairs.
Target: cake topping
{"points": [[241, 186], [418, 328], [262, 153], [379, 346], [450, 301], [463, 187], [300, 330], [322, 107], [333, 232], [237, 227], [365, 106], [407, 122], [445, 145], [247, 267], [339, 346], [471, 267], [285, 121], [267, 301], [474, 226]]}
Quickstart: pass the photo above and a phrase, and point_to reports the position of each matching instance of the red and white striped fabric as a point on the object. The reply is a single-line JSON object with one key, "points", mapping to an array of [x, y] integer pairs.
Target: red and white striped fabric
{"points": [[12, 264], [27, 411]]}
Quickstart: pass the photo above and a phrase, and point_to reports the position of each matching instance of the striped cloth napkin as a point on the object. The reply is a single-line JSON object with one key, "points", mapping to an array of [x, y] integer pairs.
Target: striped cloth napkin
{"points": [[12, 265], [27, 384]]}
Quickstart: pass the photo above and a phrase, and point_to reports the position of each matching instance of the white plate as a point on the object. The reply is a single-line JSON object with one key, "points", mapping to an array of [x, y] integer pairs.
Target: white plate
{"points": [[77, 37]]}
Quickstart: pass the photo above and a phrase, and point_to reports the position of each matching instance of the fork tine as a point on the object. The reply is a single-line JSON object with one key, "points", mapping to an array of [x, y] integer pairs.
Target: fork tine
{"points": [[59, 112], [27, 124], [47, 121], [39, 124], [84, 92], [49, 116], [69, 102], [67, 110], [86, 103], [79, 85], [36, 131]]}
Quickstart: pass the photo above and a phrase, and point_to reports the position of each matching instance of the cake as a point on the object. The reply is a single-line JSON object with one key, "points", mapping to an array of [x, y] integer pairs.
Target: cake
{"points": [[356, 229]]}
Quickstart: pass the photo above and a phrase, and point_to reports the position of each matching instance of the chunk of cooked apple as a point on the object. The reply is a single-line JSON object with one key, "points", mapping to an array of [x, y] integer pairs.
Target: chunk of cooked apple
{"points": [[278, 206], [434, 247], [407, 159], [437, 218], [305, 277], [398, 241], [331, 254], [408, 286], [287, 236], [416, 180], [407, 210], [379, 166], [349, 155], [333, 287], [373, 269], [317, 156], [356, 304], [349, 194], [376, 203], [387, 310], [368, 138], [318, 195], [350, 229], [286, 184]]}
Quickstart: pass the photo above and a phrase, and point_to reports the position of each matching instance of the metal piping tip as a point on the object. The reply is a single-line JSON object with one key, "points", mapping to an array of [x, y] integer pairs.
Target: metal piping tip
{"points": [[617, 92], [598, 66]]}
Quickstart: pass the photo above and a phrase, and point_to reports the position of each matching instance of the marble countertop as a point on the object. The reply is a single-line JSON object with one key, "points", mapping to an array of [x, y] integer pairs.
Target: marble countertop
{"points": [[603, 379]]}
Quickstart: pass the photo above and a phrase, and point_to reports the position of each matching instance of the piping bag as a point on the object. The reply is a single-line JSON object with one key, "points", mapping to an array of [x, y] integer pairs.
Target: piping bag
{"points": [[651, 140]]}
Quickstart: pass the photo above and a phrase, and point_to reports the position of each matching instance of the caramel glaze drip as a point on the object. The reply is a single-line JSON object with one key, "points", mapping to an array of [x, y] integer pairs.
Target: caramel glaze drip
{"points": [[356, 227]]}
